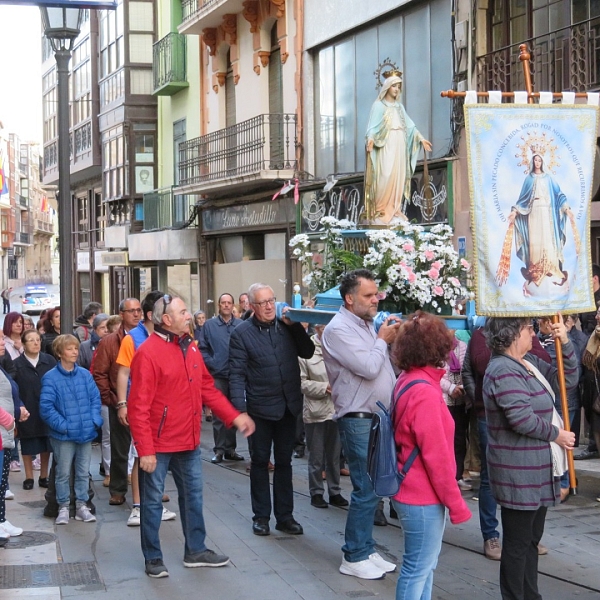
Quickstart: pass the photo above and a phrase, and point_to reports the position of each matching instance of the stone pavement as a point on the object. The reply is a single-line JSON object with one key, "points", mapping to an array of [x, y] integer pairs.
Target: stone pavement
{"points": [[103, 560]]}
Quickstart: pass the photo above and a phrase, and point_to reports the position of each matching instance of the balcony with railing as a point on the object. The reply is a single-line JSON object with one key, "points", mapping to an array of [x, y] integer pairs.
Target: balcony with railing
{"points": [[199, 14], [567, 59], [259, 149], [169, 65], [165, 210]]}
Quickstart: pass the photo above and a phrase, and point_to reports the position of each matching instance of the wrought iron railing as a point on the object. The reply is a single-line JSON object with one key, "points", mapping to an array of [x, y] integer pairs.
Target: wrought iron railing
{"points": [[43, 226], [83, 138], [51, 155], [165, 210], [265, 142], [169, 61], [567, 59], [191, 7]]}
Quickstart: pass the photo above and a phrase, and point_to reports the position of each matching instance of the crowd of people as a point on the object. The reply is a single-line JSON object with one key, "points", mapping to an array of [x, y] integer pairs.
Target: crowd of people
{"points": [[140, 382]]}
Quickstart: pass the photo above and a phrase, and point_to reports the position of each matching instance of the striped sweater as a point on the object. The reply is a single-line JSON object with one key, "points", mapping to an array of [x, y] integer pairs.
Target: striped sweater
{"points": [[519, 410]]}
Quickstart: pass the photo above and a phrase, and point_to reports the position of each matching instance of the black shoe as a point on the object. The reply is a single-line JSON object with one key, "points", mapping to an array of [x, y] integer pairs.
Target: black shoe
{"points": [[290, 526], [101, 470], [317, 500], [393, 513], [156, 568], [3, 541], [586, 454], [338, 500], [379, 518], [208, 418], [216, 459], [233, 456], [43, 482], [261, 526], [28, 484], [207, 558]]}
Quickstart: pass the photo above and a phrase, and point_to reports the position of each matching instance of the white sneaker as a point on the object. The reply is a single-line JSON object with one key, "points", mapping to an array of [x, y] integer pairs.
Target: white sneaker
{"points": [[381, 563], [15, 466], [464, 485], [63, 516], [363, 569], [168, 515], [83, 513], [36, 464], [134, 517], [9, 528], [9, 495]]}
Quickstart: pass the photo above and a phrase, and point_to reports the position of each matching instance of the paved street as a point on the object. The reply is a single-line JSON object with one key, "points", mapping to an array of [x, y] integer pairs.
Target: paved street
{"points": [[104, 560]]}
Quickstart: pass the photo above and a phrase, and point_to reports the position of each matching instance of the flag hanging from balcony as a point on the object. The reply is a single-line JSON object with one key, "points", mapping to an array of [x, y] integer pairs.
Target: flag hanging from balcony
{"points": [[3, 172], [530, 178], [45, 207]]}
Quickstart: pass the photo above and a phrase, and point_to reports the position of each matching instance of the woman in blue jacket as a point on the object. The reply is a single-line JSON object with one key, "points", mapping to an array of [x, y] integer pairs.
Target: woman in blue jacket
{"points": [[70, 405]]}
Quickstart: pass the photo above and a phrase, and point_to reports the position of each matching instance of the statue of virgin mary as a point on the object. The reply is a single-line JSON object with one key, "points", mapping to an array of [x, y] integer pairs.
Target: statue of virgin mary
{"points": [[393, 143]]}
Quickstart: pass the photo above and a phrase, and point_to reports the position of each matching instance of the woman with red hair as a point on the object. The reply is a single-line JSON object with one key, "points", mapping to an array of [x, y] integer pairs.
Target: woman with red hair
{"points": [[422, 420], [13, 327]]}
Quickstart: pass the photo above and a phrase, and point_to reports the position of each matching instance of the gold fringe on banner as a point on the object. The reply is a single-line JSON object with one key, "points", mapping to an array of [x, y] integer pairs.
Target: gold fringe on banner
{"points": [[576, 237], [504, 264]]}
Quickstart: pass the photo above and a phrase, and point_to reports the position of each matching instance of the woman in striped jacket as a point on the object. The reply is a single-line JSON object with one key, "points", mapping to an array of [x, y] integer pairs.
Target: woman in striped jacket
{"points": [[518, 393]]}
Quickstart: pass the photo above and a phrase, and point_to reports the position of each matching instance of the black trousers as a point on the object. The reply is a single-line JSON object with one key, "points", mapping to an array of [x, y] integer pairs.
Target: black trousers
{"points": [[120, 441], [280, 436], [461, 429], [522, 531], [225, 440]]}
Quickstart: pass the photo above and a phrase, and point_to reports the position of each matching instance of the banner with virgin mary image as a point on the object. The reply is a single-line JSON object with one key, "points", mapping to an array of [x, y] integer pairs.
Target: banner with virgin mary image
{"points": [[530, 179]]}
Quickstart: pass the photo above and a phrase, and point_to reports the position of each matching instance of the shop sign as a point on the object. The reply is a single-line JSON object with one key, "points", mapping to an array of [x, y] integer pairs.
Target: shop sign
{"points": [[115, 259], [83, 261], [256, 215]]}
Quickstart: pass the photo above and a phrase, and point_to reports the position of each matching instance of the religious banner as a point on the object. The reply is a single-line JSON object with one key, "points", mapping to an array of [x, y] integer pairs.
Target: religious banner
{"points": [[530, 178]]}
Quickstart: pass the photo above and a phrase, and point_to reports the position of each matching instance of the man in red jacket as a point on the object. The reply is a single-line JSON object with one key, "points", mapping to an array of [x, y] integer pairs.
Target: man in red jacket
{"points": [[169, 385]]}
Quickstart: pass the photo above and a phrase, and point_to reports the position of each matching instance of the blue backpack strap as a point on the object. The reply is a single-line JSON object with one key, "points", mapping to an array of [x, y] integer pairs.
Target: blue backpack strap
{"points": [[415, 452]]}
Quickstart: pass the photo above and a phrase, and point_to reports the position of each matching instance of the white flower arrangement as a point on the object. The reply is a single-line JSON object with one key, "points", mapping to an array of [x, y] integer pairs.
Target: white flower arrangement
{"points": [[413, 267]]}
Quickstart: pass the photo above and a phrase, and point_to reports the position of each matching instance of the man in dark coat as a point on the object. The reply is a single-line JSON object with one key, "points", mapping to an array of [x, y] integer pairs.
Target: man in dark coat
{"points": [[264, 381]]}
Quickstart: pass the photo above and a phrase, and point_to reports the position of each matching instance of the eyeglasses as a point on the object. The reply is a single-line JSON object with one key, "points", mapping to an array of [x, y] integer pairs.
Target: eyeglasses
{"points": [[133, 311], [270, 301]]}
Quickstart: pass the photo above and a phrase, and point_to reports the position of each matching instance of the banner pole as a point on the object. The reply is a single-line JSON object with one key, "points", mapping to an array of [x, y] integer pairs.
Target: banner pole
{"points": [[565, 408]]}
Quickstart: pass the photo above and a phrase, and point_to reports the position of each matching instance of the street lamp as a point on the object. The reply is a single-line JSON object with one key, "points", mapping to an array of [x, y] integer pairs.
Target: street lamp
{"points": [[61, 27]]}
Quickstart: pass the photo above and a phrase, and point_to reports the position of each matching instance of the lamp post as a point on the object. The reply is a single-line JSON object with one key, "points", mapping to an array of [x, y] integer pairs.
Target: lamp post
{"points": [[61, 27]]}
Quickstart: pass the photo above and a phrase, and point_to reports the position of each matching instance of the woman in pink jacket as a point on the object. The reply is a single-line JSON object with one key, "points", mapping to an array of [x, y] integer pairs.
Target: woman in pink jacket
{"points": [[422, 420]]}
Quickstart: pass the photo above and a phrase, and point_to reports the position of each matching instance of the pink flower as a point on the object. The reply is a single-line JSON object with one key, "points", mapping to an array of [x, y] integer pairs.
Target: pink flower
{"points": [[437, 265], [411, 277], [408, 247], [464, 264], [429, 255], [455, 282], [433, 273], [438, 291]]}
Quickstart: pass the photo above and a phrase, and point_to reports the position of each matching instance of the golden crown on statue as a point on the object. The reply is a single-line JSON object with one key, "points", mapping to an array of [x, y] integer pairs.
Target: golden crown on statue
{"points": [[537, 143], [392, 73], [386, 69]]}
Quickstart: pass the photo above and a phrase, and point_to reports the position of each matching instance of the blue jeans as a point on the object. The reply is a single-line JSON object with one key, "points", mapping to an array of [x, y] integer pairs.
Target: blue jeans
{"points": [[488, 521], [65, 453], [354, 435], [186, 468], [423, 528]]}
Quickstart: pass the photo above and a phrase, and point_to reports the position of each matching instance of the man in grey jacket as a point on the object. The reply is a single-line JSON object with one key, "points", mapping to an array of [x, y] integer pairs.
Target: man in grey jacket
{"points": [[360, 374], [214, 345]]}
